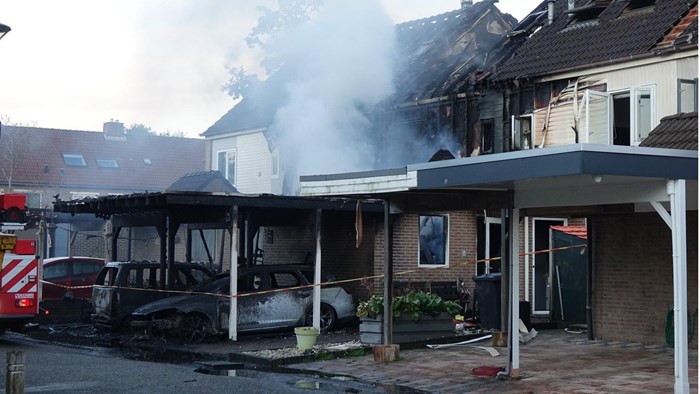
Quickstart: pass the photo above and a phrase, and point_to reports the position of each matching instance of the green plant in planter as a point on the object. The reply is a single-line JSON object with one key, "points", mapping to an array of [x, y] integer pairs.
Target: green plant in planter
{"points": [[413, 303]]}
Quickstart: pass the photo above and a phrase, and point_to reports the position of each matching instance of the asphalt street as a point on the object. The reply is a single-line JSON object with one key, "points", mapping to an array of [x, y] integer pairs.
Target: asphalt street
{"points": [[52, 368]]}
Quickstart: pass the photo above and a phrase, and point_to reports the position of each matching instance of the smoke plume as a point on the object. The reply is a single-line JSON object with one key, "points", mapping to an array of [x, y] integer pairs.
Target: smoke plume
{"points": [[341, 62]]}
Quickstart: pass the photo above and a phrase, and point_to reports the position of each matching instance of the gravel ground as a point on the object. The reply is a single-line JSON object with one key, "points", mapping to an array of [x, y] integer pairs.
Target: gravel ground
{"points": [[82, 334]]}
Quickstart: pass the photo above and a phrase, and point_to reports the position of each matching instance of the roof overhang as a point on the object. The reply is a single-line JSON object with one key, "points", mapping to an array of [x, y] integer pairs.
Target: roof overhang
{"points": [[571, 175]]}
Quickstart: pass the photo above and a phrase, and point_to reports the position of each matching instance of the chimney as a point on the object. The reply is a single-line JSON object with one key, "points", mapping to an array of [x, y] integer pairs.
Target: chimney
{"points": [[114, 130], [466, 3], [550, 12]]}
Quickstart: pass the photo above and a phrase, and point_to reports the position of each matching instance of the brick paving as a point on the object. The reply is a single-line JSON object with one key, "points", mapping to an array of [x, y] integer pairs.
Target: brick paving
{"points": [[553, 362]]}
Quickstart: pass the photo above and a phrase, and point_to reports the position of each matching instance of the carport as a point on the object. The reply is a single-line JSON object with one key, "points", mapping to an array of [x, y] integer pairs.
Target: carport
{"points": [[585, 178], [167, 211]]}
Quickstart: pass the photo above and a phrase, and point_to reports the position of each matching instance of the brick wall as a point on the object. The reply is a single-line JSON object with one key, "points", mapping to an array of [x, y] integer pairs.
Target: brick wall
{"points": [[633, 277], [340, 255], [462, 250]]}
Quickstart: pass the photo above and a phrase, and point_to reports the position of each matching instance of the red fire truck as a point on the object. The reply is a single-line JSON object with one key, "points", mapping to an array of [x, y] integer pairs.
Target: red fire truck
{"points": [[20, 283]]}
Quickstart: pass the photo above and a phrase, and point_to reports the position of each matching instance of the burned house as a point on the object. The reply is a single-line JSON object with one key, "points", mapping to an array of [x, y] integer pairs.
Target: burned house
{"points": [[593, 77], [436, 61]]}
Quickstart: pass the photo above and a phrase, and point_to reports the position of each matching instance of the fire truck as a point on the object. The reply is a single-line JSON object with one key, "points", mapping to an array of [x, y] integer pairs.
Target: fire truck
{"points": [[20, 283]]}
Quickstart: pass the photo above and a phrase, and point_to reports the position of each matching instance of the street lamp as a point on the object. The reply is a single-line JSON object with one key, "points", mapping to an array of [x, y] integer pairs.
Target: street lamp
{"points": [[4, 29]]}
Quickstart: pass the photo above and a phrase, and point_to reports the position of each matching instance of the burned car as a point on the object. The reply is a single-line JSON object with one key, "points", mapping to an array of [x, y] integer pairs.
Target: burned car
{"points": [[121, 287], [205, 311]]}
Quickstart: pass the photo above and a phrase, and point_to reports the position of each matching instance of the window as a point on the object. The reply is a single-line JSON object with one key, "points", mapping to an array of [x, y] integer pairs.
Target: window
{"points": [[107, 163], [642, 108], [85, 267], [282, 280], [57, 270], [33, 198], [633, 114], [487, 136], [433, 240], [488, 245], [250, 282], [687, 95], [275, 171], [74, 160], [521, 132], [227, 165]]}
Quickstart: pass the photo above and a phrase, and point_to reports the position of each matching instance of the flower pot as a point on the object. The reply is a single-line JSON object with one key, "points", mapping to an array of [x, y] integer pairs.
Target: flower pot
{"points": [[306, 337]]}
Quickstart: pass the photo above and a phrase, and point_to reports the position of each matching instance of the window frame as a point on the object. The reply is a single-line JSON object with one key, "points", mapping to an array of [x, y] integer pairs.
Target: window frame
{"points": [[636, 138], [446, 241], [67, 157], [100, 163], [679, 101], [520, 137], [227, 162], [488, 144]]}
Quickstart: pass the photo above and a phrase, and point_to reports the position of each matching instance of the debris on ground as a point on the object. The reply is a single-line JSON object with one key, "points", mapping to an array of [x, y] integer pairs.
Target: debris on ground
{"points": [[276, 354]]}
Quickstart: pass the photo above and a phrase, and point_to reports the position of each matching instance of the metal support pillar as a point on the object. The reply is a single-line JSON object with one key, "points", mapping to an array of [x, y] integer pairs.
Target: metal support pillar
{"points": [[514, 265], [317, 274], [388, 278], [233, 305]]}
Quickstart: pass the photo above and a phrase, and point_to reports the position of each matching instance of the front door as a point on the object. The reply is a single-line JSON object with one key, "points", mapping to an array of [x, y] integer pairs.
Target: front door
{"points": [[541, 277]]}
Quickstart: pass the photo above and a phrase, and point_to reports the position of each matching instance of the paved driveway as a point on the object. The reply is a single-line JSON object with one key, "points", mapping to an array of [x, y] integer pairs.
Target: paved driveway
{"points": [[553, 362]]}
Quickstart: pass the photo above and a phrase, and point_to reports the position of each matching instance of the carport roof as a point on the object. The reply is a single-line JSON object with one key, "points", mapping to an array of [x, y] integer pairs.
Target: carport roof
{"points": [[179, 201], [571, 175]]}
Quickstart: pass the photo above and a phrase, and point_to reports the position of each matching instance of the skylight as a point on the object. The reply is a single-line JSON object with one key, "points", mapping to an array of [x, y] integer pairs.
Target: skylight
{"points": [[107, 163], [147, 162], [638, 4], [74, 160]]}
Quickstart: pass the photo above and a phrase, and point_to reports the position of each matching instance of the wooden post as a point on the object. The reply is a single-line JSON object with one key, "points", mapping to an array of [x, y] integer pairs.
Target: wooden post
{"points": [[14, 376]]}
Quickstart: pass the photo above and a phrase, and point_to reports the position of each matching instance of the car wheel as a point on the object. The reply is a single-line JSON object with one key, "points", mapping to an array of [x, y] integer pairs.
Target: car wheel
{"points": [[193, 328], [328, 317]]}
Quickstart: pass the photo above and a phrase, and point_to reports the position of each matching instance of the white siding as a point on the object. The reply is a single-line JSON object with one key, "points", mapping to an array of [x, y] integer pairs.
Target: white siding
{"points": [[664, 75], [253, 161], [559, 126]]}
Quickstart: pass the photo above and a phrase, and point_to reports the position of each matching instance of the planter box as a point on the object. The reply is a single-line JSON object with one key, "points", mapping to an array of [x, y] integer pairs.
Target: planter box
{"points": [[406, 329]]}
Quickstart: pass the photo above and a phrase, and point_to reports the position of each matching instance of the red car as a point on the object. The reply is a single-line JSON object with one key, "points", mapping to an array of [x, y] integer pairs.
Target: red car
{"points": [[61, 273]]}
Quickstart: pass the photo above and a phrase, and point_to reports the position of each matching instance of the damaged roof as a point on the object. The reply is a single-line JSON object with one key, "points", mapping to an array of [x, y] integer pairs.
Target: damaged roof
{"points": [[436, 56], [678, 131], [602, 32], [134, 163]]}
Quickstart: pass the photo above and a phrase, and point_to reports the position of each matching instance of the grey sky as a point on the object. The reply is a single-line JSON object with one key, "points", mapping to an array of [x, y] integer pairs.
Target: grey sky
{"points": [[75, 64]]}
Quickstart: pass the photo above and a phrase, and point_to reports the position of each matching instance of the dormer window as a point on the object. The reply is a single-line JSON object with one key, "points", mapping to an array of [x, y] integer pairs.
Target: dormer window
{"points": [[74, 160]]}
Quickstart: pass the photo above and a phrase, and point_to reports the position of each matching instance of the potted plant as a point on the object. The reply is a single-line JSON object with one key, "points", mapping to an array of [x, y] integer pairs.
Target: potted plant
{"points": [[306, 337], [417, 315]]}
